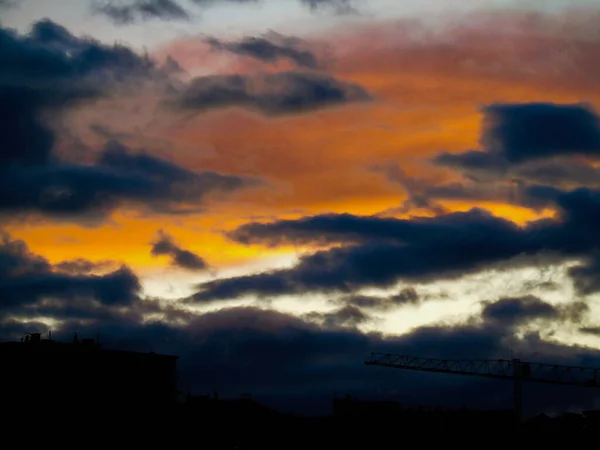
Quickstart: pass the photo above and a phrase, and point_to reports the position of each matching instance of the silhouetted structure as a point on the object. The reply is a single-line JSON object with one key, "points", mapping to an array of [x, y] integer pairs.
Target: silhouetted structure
{"points": [[515, 370], [79, 375]]}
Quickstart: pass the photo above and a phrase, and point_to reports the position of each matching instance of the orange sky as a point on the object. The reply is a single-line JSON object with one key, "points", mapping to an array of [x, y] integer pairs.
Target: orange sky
{"points": [[427, 92]]}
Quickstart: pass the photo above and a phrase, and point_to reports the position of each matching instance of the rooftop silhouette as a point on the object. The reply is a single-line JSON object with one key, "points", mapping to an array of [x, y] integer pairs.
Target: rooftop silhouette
{"points": [[78, 374]]}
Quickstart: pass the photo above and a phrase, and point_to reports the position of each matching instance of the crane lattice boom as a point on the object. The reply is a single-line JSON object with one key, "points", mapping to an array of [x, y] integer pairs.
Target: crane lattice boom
{"points": [[499, 368]]}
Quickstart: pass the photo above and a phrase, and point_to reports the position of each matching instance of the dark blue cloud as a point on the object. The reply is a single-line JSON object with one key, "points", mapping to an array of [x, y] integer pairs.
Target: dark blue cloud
{"points": [[139, 10], [520, 309], [517, 133], [382, 251], [180, 257], [344, 316], [89, 193], [271, 94], [539, 130], [124, 12], [44, 73], [27, 279], [269, 48], [530, 152]]}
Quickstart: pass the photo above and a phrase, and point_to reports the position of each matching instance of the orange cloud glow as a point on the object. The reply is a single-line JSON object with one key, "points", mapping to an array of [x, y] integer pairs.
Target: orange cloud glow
{"points": [[428, 87]]}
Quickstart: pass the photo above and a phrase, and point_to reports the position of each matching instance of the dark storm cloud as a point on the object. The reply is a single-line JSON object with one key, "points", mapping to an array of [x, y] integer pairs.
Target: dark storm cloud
{"points": [[586, 276], [512, 310], [540, 130], [348, 228], [185, 259], [382, 251], [271, 94], [120, 175], [130, 12], [522, 310], [525, 145], [269, 48], [44, 73], [517, 133], [283, 359], [533, 141], [27, 279]]}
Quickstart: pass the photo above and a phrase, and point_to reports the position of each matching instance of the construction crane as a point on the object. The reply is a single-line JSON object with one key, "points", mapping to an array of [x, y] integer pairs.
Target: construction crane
{"points": [[514, 369]]}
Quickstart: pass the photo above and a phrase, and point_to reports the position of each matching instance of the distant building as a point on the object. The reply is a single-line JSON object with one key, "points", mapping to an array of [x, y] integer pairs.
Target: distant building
{"points": [[42, 373]]}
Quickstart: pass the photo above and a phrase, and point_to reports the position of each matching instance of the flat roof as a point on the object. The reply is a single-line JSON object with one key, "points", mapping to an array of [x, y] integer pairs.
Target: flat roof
{"points": [[59, 346]]}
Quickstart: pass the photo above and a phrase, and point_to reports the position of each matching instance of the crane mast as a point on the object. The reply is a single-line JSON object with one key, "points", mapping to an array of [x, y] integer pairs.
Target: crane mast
{"points": [[514, 369]]}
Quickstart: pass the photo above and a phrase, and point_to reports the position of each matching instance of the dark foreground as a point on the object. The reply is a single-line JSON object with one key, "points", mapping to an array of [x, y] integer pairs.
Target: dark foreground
{"points": [[246, 424]]}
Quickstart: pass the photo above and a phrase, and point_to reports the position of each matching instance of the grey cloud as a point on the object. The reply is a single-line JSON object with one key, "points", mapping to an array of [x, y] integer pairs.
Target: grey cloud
{"points": [[131, 11], [346, 316], [271, 94], [269, 48], [407, 296], [138, 10], [180, 257], [27, 279], [44, 73]]}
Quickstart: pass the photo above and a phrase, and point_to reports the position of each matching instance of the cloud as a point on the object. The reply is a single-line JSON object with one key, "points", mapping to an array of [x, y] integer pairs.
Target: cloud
{"points": [[130, 12], [124, 12], [271, 94], [69, 71], [27, 279], [590, 330], [339, 6], [540, 130], [407, 296], [528, 143], [379, 252], [9, 3], [346, 316], [523, 310], [82, 266], [269, 48], [586, 276], [185, 259], [89, 193], [518, 133]]}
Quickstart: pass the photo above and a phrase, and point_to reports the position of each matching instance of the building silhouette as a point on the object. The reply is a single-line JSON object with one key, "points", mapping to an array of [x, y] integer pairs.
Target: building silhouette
{"points": [[38, 374]]}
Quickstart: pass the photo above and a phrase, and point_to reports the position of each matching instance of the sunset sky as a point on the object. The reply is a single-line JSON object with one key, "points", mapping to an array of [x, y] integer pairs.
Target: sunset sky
{"points": [[288, 185]]}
